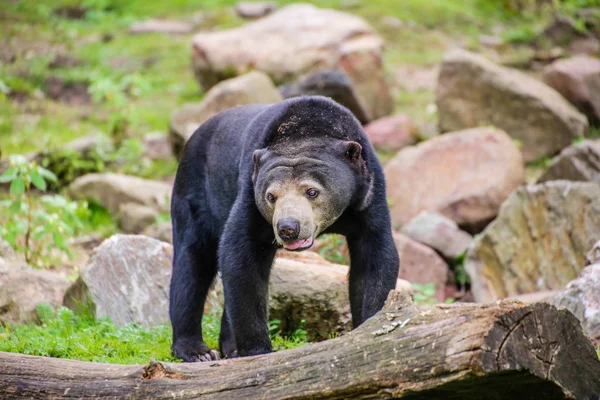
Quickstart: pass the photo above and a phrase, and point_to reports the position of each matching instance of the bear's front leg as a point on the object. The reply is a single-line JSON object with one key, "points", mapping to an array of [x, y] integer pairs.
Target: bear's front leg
{"points": [[246, 252], [374, 263]]}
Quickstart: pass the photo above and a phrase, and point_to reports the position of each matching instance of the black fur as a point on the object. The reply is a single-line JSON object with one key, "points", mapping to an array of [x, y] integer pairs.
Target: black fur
{"points": [[216, 221]]}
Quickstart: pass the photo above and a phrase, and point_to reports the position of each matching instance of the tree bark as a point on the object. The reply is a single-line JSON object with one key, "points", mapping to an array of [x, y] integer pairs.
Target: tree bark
{"points": [[498, 351]]}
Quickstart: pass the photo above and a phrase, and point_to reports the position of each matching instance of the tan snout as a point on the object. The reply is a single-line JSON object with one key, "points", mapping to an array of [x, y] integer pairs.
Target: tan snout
{"points": [[293, 219]]}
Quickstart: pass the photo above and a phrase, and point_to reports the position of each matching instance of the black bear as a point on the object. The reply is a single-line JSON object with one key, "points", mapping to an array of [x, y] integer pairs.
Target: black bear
{"points": [[260, 177]]}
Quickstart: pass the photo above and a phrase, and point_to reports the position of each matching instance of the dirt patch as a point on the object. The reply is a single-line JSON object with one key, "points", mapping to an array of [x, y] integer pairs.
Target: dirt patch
{"points": [[16, 48], [64, 61], [18, 97], [74, 93], [71, 12]]}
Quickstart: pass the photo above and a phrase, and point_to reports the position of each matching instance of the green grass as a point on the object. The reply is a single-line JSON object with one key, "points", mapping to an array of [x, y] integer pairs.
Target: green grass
{"points": [[62, 334]]}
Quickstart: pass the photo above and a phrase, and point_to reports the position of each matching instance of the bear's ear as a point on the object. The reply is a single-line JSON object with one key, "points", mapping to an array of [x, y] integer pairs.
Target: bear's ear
{"points": [[352, 150], [256, 156]]}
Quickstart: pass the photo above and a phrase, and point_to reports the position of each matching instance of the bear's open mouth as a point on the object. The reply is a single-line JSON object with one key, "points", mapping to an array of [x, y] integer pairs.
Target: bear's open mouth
{"points": [[299, 245]]}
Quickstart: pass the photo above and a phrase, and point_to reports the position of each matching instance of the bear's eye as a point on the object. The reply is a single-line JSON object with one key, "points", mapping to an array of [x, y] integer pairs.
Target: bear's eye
{"points": [[270, 198], [312, 193]]}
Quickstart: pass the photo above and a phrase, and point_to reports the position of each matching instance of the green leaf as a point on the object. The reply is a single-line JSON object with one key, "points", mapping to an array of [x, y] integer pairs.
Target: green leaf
{"points": [[15, 207], [11, 238], [8, 175], [59, 240], [37, 180], [39, 234], [47, 174], [17, 187]]}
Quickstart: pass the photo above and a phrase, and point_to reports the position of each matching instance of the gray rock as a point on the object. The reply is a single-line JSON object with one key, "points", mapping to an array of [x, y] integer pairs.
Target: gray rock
{"points": [[22, 288], [439, 233], [333, 84], [307, 39], [252, 88], [473, 91], [157, 146], [111, 190], [421, 264], [537, 243], [392, 133], [561, 31], [578, 80], [304, 286], [582, 298], [136, 217], [579, 162], [254, 10], [161, 26], [162, 231], [88, 143], [127, 279], [593, 256]]}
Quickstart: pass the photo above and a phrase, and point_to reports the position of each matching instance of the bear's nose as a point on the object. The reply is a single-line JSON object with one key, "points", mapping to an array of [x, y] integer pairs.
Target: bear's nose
{"points": [[288, 229]]}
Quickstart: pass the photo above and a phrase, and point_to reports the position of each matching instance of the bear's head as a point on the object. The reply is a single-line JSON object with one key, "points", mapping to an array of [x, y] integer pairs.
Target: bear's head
{"points": [[303, 186]]}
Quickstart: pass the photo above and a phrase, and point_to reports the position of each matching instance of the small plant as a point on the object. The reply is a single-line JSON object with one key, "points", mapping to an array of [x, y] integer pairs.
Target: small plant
{"points": [[116, 95], [299, 334], [462, 277], [332, 248], [424, 293], [37, 227], [69, 164], [280, 342]]}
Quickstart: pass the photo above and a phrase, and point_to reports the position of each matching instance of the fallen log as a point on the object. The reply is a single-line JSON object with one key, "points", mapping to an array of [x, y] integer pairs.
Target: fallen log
{"points": [[499, 351]]}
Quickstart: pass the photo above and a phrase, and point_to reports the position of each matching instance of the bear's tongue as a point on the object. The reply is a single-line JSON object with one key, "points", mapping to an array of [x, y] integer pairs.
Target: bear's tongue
{"points": [[298, 244]]}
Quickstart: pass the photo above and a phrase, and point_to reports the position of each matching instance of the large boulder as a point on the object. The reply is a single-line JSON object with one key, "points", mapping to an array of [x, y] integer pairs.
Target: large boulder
{"points": [[136, 217], [538, 242], [306, 287], [162, 231], [252, 88], [112, 190], [464, 176], [579, 162], [578, 80], [438, 232], [392, 133], [421, 264], [127, 280], [333, 84], [296, 40], [22, 288], [473, 91], [582, 298]]}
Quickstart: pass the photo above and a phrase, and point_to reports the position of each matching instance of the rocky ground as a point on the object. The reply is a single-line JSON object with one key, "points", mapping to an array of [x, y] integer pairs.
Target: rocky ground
{"points": [[486, 123]]}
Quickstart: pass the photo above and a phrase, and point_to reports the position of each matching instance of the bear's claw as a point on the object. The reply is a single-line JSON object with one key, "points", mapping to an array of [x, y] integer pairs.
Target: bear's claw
{"points": [[195, 353]]}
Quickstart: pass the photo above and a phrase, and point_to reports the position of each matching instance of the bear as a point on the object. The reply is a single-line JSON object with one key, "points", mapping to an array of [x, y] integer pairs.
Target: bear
{"points": [[257, 178]]}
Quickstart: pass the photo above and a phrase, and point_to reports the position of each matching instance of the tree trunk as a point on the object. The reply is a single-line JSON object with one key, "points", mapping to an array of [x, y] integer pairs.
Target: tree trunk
{"points": [[499, 351]]}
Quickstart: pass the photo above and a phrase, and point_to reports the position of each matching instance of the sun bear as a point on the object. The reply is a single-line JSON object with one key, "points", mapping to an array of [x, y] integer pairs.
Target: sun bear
{"points": [[257, 178]]}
